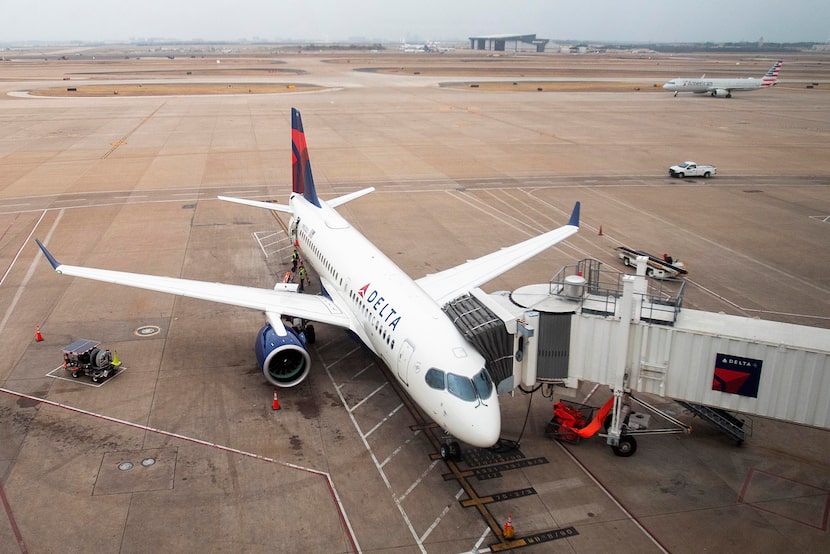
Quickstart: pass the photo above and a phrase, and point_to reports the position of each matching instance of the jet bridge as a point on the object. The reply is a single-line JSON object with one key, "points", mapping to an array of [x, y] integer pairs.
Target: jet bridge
{"points": [[632, 334]]}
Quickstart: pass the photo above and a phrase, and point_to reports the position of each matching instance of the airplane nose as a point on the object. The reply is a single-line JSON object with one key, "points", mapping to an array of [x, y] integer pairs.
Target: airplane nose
{"points": [[483, 429]]}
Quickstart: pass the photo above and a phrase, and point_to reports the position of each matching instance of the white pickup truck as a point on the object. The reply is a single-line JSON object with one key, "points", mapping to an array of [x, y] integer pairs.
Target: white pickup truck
{"points": [[692, 169]]}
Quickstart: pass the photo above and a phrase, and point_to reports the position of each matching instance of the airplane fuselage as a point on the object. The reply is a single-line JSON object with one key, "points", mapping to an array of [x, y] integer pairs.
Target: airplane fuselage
{"points": [[400, 323], [724, 87], [702, 86]]}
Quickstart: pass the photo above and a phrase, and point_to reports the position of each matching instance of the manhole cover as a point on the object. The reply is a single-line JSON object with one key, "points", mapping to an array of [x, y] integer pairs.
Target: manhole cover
{"points": [[147, 330], [125, 466]]}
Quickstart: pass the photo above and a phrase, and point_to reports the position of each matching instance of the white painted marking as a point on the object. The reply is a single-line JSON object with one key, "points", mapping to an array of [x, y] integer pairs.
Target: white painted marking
{"points": [[439, 518], [385, 419], [22, 246], [400, 448], [29, 273], [418, 481], [61, 374], [370, 395], [359, 373], [368, 448]]}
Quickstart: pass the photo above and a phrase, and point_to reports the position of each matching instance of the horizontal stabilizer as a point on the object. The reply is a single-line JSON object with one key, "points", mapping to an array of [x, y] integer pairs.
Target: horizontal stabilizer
{"points": [[257, 204], [340, 200]]}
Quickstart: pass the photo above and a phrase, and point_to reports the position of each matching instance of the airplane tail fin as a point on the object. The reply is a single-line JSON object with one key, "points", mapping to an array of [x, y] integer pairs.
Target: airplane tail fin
{"points": [[302, 180], [771, 76]]}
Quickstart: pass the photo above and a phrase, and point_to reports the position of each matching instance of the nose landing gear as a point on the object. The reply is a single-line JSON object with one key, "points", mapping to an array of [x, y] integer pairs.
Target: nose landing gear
{"points": [[450, 450]]}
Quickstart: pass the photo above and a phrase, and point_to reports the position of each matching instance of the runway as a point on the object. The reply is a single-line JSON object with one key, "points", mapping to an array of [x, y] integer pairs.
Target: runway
{"points": [[346, 465]]}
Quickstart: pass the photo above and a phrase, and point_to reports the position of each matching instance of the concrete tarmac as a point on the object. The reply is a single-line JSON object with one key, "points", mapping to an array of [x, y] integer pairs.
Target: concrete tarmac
{"points": [[182, 450]]}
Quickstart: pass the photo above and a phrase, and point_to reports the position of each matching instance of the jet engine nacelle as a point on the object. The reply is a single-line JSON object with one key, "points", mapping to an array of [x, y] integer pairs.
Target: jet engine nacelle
{"points": [[282, 356], [721, 92]]}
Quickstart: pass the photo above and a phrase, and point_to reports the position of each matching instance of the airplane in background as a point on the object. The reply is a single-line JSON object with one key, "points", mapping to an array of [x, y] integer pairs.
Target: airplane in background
{"points": [[431, 46], [363, 291], [405, 47], [724, 87]]}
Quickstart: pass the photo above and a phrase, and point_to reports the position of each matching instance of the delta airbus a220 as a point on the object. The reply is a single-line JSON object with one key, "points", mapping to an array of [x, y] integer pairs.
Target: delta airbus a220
{"points": [[398, 319], [724, 87]]}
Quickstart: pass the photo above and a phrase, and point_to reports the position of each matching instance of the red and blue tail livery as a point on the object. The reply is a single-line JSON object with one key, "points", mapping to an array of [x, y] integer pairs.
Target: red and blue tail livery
{"points": [[771, 76], [302, 179]]}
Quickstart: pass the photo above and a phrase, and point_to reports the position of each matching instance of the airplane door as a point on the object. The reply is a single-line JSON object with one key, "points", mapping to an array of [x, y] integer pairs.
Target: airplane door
{"points": [[294, 224], [404, 357]]}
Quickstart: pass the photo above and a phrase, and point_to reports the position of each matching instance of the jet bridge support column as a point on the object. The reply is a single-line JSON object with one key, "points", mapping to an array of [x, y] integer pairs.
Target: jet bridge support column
{"points": [[529, 362], [617, 360]]}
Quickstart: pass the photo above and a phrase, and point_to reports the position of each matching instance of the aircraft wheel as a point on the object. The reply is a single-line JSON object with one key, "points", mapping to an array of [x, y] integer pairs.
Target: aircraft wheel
{"points": [[626, 448], [310, 335], [445, 452], [455, 450]]}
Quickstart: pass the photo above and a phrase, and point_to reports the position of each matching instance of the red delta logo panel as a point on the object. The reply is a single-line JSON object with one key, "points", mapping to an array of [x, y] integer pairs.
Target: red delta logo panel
{"points": [[737, 375], [378, 304]]}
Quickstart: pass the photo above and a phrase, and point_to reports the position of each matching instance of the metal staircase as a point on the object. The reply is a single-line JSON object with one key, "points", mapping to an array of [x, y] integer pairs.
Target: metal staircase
{"points": [[727, 423]]}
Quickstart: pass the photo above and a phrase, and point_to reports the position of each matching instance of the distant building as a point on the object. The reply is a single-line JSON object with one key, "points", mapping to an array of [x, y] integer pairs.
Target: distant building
{"points": [[502, 43]]}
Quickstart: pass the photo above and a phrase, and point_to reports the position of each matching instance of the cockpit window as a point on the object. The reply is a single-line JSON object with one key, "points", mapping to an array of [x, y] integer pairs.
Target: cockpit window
{"points": [[461, 387], [483, 384], [435, 378]]}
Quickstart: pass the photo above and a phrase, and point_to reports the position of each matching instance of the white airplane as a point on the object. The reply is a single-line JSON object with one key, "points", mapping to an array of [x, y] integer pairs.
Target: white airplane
{"points": [[363, 291], [724, 87], [404, 47]]}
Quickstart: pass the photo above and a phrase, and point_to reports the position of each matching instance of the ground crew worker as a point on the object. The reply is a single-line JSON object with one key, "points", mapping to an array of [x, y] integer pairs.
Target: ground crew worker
{"points": [[295, 257], [303, 275]]}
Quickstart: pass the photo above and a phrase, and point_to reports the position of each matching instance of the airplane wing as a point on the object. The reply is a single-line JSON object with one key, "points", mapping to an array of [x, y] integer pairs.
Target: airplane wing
{"points": [[454, 282], [305, 306]]}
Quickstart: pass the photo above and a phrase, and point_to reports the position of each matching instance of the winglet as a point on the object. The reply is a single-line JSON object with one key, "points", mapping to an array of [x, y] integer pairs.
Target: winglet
{"points": [[48, 255], [302, 180], [574, 220]]}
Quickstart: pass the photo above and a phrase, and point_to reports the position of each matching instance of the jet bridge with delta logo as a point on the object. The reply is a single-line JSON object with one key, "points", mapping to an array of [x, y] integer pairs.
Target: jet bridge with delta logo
{"points": [[632, 334]]}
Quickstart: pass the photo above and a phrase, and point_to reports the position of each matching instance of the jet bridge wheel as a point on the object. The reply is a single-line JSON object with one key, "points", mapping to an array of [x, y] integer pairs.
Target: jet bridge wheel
{"points": [[627, 447]]}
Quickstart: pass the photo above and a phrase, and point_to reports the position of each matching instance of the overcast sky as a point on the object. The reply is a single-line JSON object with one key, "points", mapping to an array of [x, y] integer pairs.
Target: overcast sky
{"points": [[416, 20]]}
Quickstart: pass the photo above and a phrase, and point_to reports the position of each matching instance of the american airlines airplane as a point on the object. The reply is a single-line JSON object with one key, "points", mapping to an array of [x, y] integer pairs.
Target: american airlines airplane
{"points": [[724, 87], [363, 291]]}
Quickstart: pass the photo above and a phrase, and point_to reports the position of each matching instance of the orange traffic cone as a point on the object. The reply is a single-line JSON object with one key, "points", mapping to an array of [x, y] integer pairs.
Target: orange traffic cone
{"points": [[276, 400], [38, 336], [508, 527], [600, 230]]}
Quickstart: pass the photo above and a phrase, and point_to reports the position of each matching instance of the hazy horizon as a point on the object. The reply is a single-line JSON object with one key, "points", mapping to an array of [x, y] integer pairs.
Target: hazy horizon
{"points": [[637, 21]]}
